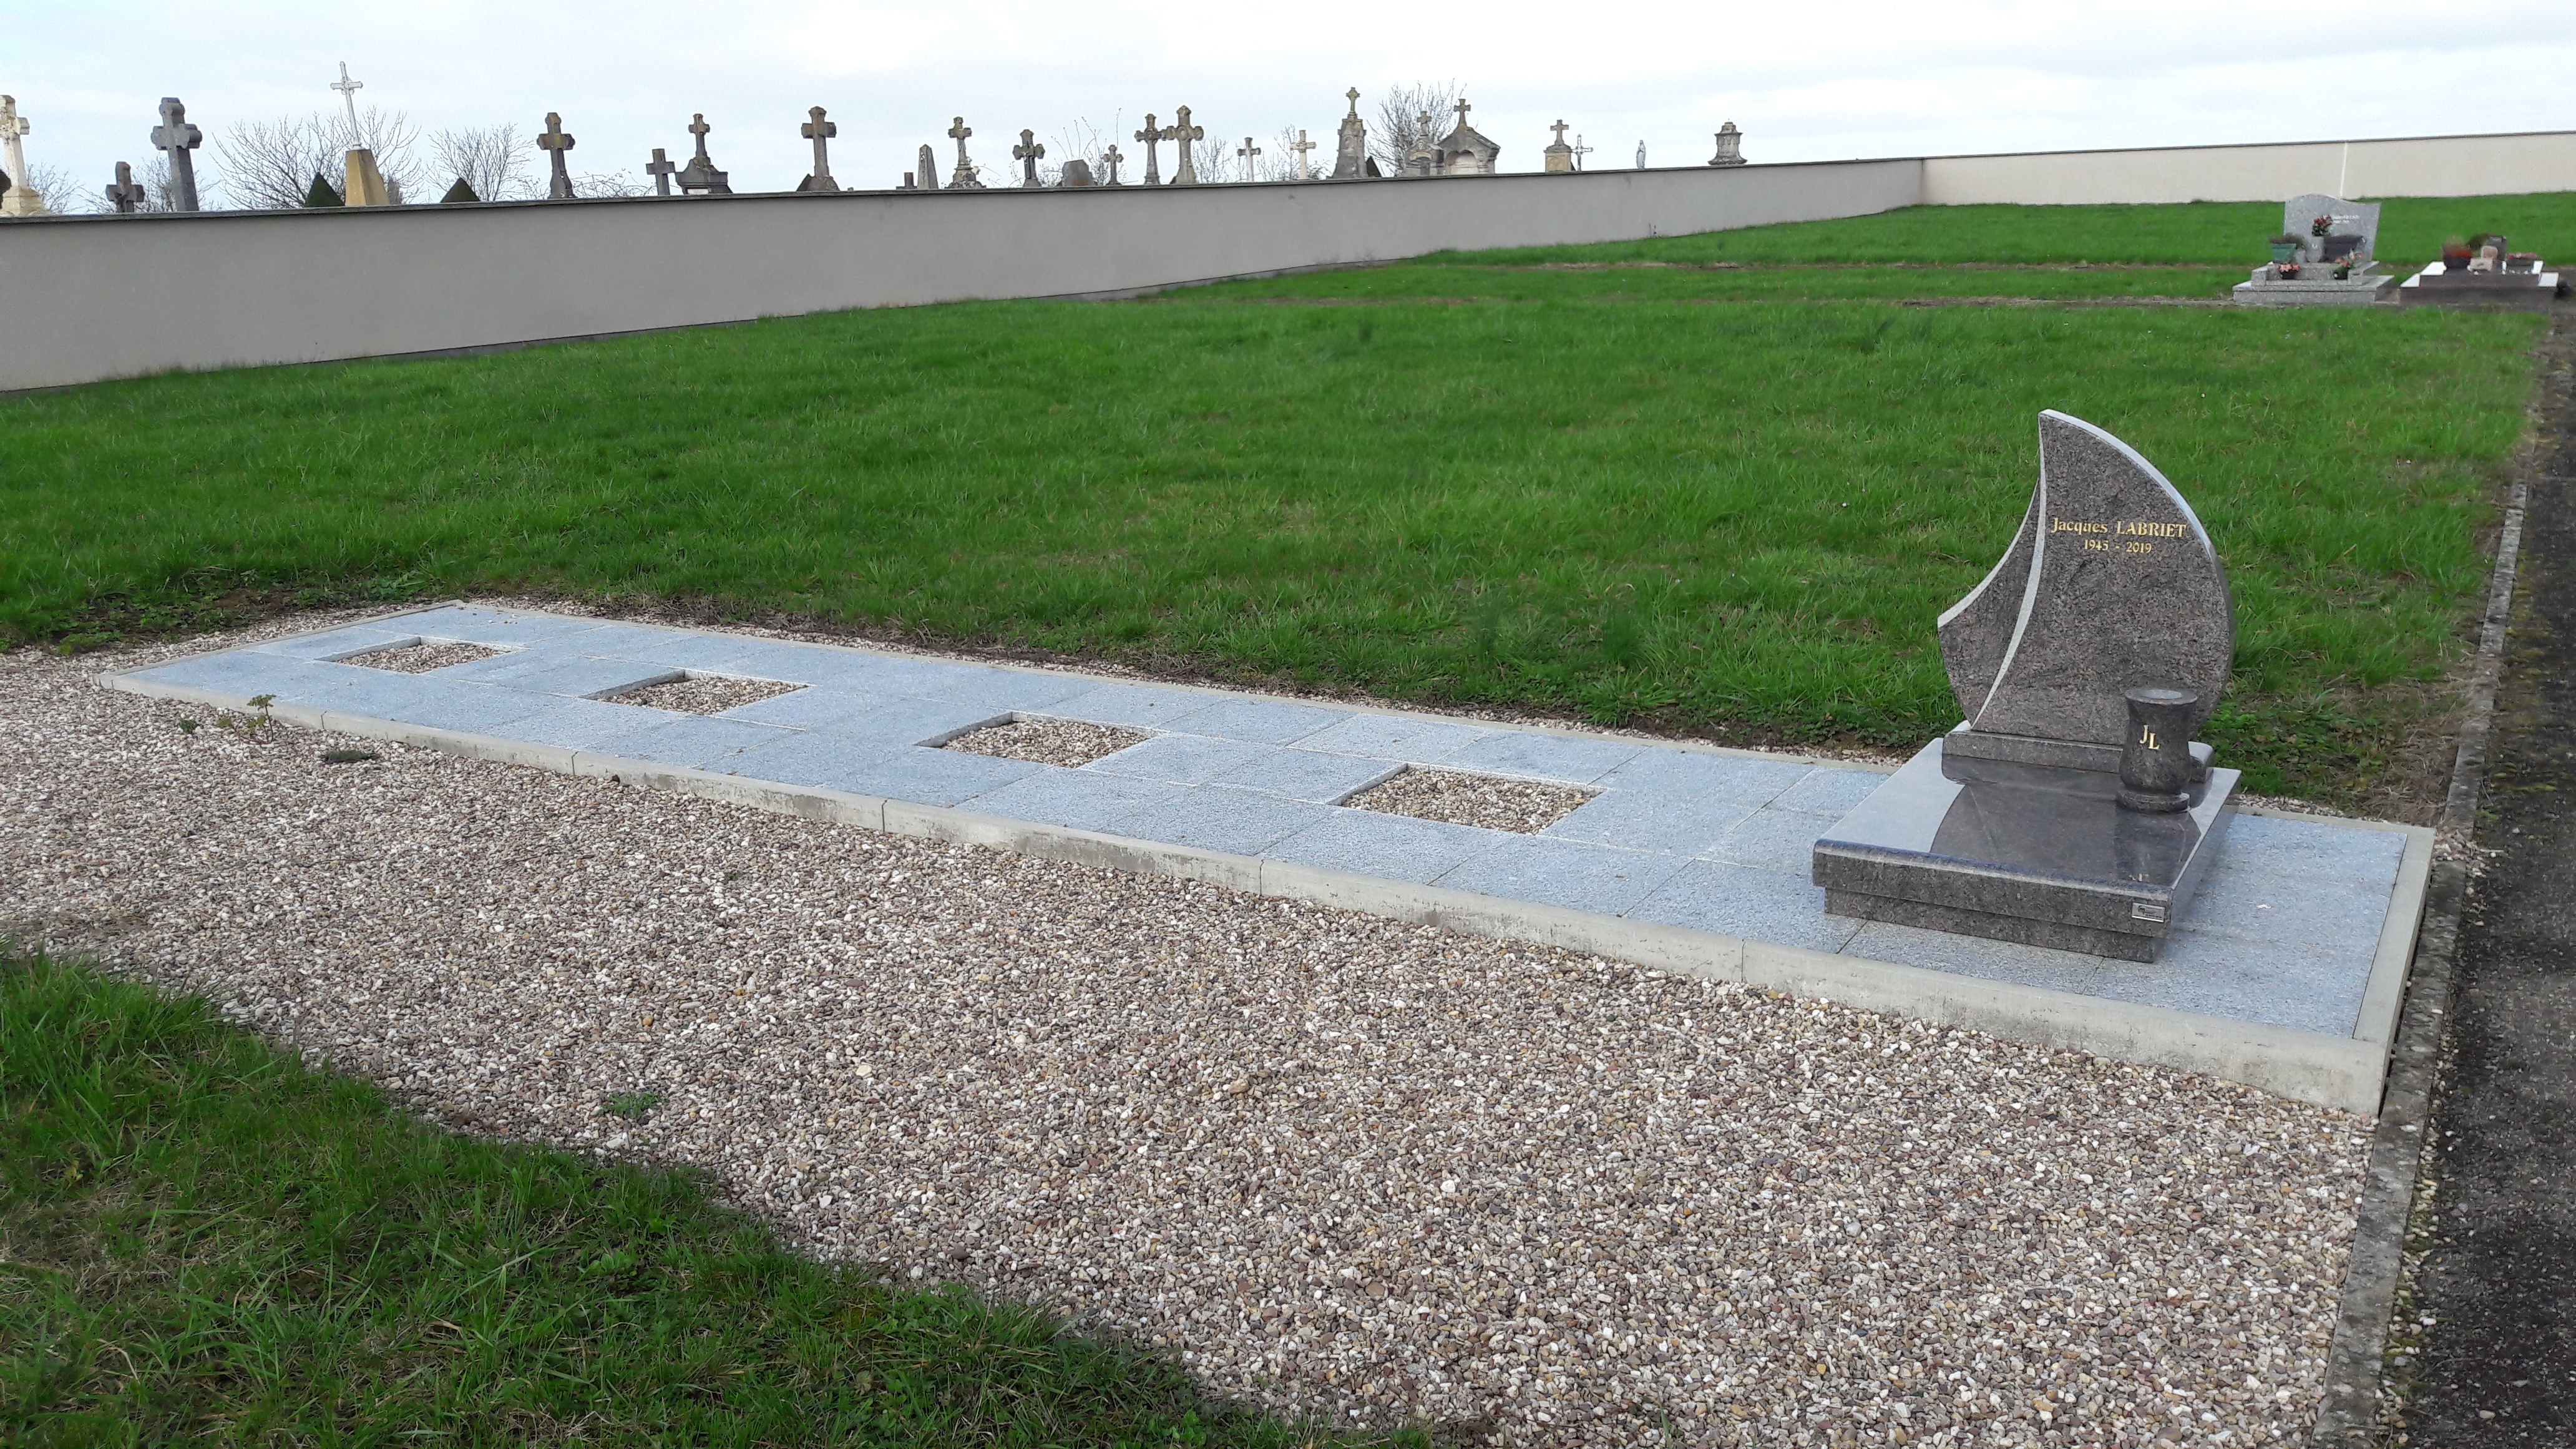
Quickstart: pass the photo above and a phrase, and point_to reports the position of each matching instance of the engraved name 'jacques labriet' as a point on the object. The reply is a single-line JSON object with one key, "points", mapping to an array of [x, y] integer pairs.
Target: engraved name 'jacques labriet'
{"points": [[2129, 535]]}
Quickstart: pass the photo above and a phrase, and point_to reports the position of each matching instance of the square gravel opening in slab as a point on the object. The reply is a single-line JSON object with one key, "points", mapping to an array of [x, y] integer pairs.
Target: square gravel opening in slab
{"points": [[1066, 742], [421, 656], [695, 693], [1457, 797]]}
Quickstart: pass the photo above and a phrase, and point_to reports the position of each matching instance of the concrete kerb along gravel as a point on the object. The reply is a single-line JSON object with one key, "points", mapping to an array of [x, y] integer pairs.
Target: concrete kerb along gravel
{"points": [[2342, 1073]]}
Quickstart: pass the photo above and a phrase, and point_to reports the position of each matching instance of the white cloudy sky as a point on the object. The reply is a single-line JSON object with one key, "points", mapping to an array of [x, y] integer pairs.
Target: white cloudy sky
{"points": [[1806, 81]]}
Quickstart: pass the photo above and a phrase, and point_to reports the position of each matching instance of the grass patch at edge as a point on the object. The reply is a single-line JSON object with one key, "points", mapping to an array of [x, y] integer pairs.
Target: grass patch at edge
{"points": [[199, 1238]]}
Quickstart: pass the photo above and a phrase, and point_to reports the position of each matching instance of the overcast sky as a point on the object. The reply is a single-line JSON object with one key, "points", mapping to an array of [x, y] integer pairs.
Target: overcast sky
{"points": [[1804, 81]]}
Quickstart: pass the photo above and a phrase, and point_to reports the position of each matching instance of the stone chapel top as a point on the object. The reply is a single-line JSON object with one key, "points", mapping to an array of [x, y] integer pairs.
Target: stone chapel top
{"points": [[1465, 151]]}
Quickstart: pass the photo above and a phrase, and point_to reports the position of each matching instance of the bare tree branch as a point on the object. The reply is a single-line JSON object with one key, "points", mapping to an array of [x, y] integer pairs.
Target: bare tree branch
{"points": [[1400, 127], [270, 165], [493, 160]]}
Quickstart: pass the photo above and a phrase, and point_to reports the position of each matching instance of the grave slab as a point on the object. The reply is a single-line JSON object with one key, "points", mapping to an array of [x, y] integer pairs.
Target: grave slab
{"points": [[2279, 976]]}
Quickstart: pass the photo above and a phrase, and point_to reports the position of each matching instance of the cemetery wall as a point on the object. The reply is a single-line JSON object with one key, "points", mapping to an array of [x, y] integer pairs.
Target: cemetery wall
{"points": [[2419, 166], [97, 297]]}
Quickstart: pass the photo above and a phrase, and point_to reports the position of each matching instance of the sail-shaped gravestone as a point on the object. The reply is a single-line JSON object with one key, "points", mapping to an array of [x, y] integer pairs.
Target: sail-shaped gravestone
{"points": [[2070, 809], [2111, 585]]}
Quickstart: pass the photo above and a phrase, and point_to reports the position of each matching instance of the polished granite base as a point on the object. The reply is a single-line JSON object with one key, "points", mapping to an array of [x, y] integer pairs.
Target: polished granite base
{"points": [[2036, 854]]}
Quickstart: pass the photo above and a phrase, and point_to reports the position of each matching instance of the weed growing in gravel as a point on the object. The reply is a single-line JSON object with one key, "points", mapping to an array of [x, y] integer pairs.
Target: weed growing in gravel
{"points": [[201, 1239], [633, 1106], [348, 757]]}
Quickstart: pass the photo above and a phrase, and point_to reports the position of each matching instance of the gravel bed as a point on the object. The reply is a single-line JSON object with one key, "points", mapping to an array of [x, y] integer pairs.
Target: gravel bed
{"points": [[1066, 742], [704, 693], [421, 658], [1459, 798], [1331, 1162]]}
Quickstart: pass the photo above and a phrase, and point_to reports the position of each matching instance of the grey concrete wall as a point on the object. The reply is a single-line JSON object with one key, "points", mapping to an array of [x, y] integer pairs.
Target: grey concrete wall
{"points": [[97, 297], [2417, 166]]}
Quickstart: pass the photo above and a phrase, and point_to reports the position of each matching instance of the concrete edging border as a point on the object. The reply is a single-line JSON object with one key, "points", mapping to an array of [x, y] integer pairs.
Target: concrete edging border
{"points": [[2344, 1073]]}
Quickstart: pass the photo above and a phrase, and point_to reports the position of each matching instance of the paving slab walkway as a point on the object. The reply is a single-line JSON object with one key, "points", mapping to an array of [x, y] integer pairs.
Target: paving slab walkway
{"points": [[2286, 972]]}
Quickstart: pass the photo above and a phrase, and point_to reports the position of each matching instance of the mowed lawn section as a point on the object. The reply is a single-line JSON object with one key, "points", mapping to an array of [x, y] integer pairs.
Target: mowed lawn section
{"points": [[201, 1241], [1739, 521]]}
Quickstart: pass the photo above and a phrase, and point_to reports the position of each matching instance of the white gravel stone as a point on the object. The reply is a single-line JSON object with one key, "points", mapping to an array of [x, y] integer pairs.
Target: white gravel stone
{"points": [[1331, 1162], [1461, 798], [1067, 742], [704, 693], [421, 658]]}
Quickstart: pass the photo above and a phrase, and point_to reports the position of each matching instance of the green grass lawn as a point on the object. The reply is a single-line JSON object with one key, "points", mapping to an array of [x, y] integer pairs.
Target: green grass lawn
{"points": [[1733, 282], [1596, 498], [2411, 231], [202, 1241]]}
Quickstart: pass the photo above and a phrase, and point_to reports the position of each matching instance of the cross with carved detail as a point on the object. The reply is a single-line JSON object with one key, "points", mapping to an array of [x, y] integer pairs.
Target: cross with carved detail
{"points": [[555, 143], [1028, 153], [1463, 109], [1187, 173], [1150, 136], [1109, 160], [1248, 152], [126, 195], [1305, 171]]}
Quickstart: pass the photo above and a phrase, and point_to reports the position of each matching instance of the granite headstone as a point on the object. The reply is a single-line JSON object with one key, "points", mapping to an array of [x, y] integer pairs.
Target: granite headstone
{"points": [[2070, 809], [2300, 215]]}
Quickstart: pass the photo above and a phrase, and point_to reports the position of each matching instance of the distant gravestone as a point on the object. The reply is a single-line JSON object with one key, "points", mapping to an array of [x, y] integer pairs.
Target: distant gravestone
{"points": [[2071, 809], [556, 142], [17, 198], [700, 177], [818, 131], [1186, 173], [1251, 155], [2321, 221], [1730, 146], [1302, 146], [1350, 147], [1560, 156], [1077, 172], [964, 178], [1152, 137], [125, 193], [177, 137], [1028, 153], [660, 169], [1110, 159]]}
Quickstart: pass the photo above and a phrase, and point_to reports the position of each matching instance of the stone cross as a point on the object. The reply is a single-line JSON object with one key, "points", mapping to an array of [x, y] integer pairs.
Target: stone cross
{"points": [[17, 198], [555, 143], [700, 177], [1463, 109], [1028, 153], [818, 131], [1150, 136], [963, 179], [1305, 169], [126, 194], [177, 137], [1187, 173], [1110, 159], [1248, 152], [660, 169], [348, 90]]}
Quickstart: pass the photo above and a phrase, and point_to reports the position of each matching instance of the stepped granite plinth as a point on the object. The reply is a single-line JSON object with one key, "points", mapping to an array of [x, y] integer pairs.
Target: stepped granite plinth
{"points": [[2039, 854], [2285, 973]]}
